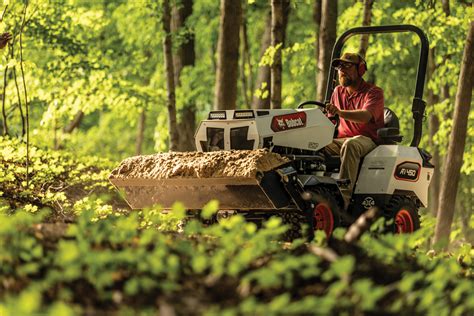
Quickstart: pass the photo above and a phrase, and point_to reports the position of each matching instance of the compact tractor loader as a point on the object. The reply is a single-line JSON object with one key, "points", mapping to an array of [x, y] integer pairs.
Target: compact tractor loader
{"points": [[303, 187]]}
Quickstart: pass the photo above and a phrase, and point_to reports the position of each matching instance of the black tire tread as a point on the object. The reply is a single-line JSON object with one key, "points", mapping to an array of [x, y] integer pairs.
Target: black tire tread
{"points": [[330, 197], [394, 205], [295, 219]]}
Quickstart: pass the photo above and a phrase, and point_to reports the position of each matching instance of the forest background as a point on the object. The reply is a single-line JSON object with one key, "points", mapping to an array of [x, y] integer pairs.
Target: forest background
{"points": [[88, 79]]}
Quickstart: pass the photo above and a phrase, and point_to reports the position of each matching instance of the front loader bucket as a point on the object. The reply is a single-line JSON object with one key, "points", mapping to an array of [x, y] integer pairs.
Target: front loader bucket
{"points": [[232, 193], [241, 180]]}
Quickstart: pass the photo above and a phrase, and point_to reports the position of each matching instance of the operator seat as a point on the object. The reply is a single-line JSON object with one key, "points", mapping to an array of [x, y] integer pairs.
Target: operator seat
{"points": [[390, 133]]}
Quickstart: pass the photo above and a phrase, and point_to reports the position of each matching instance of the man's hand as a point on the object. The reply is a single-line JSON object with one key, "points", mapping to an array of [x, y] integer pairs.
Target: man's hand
{"points": [[357, 116], [4, 38], [332, 109]]}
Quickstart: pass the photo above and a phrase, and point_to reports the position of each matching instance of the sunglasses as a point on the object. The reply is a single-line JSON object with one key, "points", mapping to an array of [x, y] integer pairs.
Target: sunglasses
{"points": [[344, 66]]}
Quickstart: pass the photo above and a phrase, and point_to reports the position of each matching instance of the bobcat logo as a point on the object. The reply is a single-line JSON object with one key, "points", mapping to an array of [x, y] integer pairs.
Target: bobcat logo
{"points": [[281, 123], [288, 121]]}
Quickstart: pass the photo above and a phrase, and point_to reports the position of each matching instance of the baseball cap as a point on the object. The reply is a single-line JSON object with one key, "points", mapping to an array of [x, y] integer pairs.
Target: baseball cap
{"points": [[352, 58]]}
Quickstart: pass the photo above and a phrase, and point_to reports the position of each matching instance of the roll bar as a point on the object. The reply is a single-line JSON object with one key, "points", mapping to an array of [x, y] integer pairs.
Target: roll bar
{"points": [[418, 105]]}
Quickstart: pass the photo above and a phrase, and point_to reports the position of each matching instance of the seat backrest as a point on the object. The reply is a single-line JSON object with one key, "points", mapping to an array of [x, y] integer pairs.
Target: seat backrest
{"points": [[390, 118], [390, 133]]}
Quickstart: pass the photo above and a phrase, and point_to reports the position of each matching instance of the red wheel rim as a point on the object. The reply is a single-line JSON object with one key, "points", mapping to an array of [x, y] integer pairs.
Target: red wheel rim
{"points": [[404, 222], [323, 218]]}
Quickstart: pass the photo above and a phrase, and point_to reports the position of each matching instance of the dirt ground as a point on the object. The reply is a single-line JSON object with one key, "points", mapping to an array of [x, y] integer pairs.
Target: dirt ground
{"points": [[216, 164]]}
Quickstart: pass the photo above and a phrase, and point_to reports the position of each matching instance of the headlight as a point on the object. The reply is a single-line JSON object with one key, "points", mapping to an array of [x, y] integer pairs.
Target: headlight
{"points": [[217, 115], [243, 114]]}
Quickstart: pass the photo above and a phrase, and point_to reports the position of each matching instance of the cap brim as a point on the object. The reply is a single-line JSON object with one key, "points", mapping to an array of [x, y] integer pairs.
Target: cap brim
{"points": [[336, 61]]}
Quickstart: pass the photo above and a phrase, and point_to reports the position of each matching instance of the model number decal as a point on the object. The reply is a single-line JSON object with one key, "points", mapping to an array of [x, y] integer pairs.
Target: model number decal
{"points": [[408, 171], [288, 121]]}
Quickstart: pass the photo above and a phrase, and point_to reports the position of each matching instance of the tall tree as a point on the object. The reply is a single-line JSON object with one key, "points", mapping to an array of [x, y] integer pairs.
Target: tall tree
{"points": [[280, 13], [277, 42], [228, 55], [432, 99], [445, 4], [317, 25], [3, 96], [364, 39], [327, 38], [185, 56], [454, 158], [434, 125], [76, 121], [263, 74], [170, 84], [140, 133], [245, 63]]}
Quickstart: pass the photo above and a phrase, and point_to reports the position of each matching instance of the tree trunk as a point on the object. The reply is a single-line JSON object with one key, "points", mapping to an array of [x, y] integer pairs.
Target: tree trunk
{"points": [[187, 127], [277, 42], [445, 4], [245, 62], [76, 121], [263, 76], [327, 38], [3, 96], [466, 211], [445, 88], [228, 55], [185, 53], [364, 38], [317, 24], [280, 12], [185, 57], [140, 133], [434, 124], [433, 129], [170, 85], [457, 141]]}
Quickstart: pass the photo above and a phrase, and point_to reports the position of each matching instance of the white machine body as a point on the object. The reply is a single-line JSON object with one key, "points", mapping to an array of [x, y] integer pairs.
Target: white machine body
{"points": [[391, 168], [387, 170], [307, 129]]}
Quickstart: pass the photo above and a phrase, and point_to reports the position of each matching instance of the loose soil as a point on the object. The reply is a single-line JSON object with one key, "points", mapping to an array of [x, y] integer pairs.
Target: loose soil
{"points": [[216, 164]]}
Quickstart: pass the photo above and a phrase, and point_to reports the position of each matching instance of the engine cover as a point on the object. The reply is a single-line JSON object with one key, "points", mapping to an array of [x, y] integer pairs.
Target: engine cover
{"points": [[389, 169]]}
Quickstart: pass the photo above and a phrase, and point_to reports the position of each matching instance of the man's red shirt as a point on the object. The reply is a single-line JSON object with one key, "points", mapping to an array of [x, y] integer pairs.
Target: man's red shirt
{"points": [[368, 97]]}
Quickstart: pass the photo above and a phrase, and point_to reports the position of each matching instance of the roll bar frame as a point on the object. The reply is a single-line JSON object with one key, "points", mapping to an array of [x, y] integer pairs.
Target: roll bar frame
{"points": [[418, 105]]}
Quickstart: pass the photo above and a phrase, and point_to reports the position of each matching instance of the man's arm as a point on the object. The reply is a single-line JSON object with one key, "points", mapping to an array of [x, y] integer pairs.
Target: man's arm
{"points": [[357, 116]]}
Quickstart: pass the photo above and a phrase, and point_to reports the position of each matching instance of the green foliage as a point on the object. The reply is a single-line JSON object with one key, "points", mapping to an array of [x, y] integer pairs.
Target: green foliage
{"points": [[56, 180], [120, 262], [107, 259]]}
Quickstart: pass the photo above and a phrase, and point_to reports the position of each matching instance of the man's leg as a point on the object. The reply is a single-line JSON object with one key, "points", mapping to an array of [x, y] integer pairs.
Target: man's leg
{"points": [[352, 151], [334, 148]]}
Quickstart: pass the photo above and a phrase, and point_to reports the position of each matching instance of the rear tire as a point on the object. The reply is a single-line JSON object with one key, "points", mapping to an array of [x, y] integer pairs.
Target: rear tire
{"points": [[404, 213], [326, 211]]}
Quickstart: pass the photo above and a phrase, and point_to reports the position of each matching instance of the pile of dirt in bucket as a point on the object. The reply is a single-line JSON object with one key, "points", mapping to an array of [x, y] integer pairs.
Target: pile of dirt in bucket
{"points": [[216, 164]]}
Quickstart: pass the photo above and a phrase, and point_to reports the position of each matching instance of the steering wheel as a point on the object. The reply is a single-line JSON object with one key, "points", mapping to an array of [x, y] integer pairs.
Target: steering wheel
{"points": [[334, 119], [321, 104]]}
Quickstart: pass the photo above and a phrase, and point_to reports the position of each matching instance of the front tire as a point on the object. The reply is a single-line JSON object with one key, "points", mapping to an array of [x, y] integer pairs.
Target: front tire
{"points": [[404, 213], [326, 211]]}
